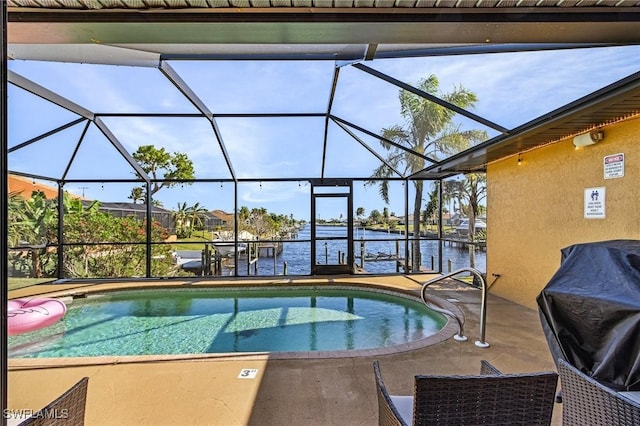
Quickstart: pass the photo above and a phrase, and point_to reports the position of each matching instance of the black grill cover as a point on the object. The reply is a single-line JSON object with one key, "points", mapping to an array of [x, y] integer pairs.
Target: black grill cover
{"points": [[590, 311]]}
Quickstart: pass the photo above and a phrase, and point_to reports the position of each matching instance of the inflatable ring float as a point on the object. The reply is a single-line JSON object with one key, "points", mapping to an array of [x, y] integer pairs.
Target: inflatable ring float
{"points": [[29, 314]]}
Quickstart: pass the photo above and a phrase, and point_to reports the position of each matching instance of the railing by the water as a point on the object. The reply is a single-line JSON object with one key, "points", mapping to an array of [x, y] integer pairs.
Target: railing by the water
{"points": [[483, 306], [381, 253]]}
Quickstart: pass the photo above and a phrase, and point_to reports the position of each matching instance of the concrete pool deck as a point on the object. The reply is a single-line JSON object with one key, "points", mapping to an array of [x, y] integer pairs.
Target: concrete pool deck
{"points": [[296, 391]]}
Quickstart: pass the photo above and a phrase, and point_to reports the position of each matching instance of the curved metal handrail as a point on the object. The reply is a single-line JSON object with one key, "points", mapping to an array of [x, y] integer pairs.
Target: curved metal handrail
{"points": [[483, 306], [460, 337]]}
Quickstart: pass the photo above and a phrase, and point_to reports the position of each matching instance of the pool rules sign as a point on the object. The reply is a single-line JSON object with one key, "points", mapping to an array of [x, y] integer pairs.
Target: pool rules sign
{"points": [[594, 203]]}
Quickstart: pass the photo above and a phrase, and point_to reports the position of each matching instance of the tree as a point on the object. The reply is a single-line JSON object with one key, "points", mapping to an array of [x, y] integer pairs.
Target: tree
{"points": [[359, 213], [431, 208], [32, 222], [160, 164], [15, 207], [194, 217], [374, 216], [181, 220], [428, 128], [243, 214], [137, 194], [453, 190], [474, 190], [99, 244], [261, 222], [104, 245]]}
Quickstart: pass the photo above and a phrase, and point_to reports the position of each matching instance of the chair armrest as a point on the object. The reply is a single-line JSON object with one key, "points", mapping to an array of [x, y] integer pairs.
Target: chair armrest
{"points": [[68, 409], [388, 413], [486, 369], [587, 401]]}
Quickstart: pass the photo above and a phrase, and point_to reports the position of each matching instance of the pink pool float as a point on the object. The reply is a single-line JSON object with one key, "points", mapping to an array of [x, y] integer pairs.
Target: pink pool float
{"points": [[34, 313]]}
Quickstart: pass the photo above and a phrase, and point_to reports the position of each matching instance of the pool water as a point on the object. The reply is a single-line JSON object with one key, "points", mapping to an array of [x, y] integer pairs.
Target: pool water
{"points": [[186, 321]]}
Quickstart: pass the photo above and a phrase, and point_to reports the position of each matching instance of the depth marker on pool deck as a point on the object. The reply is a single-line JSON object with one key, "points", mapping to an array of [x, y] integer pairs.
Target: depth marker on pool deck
{"points": [[248, 373]]}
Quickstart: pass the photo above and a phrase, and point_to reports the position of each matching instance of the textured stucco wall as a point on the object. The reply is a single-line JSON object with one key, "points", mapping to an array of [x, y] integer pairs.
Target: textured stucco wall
{"points": [[537, 208]]}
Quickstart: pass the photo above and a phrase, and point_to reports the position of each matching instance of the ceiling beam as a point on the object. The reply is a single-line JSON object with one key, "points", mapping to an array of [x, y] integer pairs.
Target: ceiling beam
{"points": [[326, 25]]}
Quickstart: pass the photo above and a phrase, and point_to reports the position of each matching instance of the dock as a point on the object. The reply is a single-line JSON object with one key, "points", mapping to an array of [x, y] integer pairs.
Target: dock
{"points": [[269, 249]]}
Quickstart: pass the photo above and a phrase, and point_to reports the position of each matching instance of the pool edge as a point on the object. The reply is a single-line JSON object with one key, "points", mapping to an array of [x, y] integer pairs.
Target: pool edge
{"points": [[447, 331]]}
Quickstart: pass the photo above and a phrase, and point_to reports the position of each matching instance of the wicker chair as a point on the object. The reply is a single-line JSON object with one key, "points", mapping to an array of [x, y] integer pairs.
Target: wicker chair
{"points": [[585, 401], [66, 410], [490, 398]]}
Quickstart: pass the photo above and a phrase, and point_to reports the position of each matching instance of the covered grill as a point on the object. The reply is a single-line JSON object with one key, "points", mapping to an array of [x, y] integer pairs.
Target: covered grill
{"points": [[590, 311]]}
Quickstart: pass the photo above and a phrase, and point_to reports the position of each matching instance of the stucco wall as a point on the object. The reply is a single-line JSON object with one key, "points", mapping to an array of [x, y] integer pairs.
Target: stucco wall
{"points": [[537, 208]]}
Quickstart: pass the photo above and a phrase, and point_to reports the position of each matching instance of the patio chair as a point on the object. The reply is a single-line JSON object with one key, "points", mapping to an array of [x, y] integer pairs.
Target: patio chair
{"points": [[66, 410], [585, 401], [491, 398]]}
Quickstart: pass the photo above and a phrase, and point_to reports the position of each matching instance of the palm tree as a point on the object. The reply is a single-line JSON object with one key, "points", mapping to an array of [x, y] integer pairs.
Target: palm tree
{"points": [[453, 190], [374, 216], [428, 129], [137, 194], [474, 190], [180, 218], [385, 216], [194, 216]]}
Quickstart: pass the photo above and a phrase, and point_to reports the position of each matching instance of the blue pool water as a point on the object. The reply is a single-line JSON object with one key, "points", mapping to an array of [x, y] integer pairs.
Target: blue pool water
{"points": [[188, 321]]}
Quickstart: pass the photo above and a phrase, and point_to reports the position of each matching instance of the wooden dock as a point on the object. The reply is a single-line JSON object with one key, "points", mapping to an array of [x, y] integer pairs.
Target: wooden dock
{"points": [[269, 249]]}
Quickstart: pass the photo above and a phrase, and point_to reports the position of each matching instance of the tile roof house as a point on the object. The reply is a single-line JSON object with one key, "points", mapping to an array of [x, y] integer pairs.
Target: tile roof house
{"points": [[25, 187]]}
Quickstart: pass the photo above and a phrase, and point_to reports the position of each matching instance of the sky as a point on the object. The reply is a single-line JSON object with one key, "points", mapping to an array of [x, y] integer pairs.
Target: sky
{"points": [[512, 89]]}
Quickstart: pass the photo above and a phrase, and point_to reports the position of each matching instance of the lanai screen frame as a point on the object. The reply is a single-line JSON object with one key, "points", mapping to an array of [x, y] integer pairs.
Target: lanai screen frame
{"points": [[491, 28], [89, 117], [580, 33], [430, 173]]}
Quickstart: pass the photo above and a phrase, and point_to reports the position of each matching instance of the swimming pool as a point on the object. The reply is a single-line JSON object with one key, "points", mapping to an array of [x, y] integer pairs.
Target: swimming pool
{"points": [[206, 321]]}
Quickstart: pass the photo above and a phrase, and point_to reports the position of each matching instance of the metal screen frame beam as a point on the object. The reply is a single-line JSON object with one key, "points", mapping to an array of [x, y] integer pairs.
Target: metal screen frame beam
{"points": [[390, 142], [75, 151], [368, 148], [184, 88], [334, 86], [47, 134], [4, 244], [121, 149], [431, 98], [28, 85]]}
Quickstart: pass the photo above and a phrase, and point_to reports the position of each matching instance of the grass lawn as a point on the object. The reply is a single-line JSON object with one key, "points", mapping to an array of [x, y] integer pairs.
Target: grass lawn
{"points": [[189, 244], [195, 242], [16, 283]]}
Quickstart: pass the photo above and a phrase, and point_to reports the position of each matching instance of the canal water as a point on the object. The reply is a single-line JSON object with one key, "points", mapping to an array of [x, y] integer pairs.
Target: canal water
{"points": [[377, 245]]}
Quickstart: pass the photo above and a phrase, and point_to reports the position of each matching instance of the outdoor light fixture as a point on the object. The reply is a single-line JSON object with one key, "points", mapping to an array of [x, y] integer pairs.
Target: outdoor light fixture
{"points": [[519, 160], [587, 139]]}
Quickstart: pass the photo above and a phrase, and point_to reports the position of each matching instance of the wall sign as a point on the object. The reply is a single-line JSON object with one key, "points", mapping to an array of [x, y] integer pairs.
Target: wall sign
{"points": [[614, 166], [594, 203]]}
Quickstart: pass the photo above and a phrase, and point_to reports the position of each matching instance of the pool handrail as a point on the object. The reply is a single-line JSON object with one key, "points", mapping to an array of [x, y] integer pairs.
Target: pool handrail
{"points": [[483, 305], [460, 337]]}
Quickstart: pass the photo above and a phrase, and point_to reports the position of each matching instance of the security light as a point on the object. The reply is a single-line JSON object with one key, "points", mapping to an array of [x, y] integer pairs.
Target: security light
{"points": [[590, 138]]}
